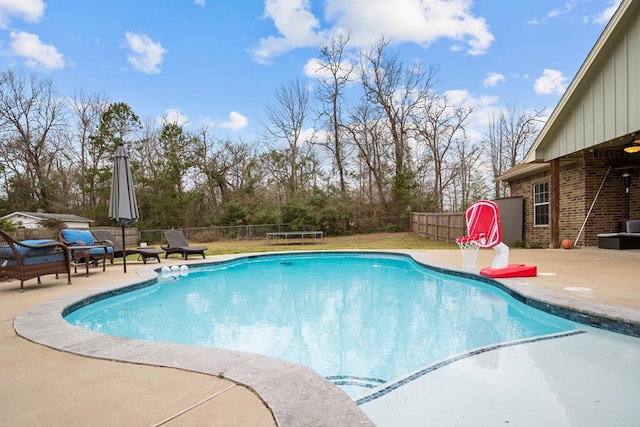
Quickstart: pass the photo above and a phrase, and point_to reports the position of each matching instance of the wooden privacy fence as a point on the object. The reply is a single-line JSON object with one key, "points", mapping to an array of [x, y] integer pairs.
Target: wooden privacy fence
{"points": [[438, 226], [130, 233]]}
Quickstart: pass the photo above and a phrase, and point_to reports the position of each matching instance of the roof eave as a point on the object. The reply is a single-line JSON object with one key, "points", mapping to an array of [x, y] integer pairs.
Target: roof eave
{"points": [[530, 169], [535, 153]]}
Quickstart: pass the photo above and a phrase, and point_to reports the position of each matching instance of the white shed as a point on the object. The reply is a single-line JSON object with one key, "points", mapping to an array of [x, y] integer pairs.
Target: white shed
{"points": [[34, 219]]}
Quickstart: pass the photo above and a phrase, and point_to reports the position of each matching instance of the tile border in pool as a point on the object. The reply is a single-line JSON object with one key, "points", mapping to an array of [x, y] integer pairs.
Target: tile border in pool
{"points": [[286, 388], [613, 319], [388, 388]]}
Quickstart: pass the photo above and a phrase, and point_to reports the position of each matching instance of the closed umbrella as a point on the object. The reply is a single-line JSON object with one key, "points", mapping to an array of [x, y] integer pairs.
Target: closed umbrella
{"points": [[123, 207]]}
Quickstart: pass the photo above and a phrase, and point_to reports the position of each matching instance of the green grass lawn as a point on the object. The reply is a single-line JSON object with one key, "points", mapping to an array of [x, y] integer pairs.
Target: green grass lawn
{"points": [[359, 241]]}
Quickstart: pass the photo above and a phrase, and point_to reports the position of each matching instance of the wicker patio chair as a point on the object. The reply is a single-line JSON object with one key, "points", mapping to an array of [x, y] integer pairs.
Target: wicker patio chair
{"points": [[177, 244], [26, 259]]}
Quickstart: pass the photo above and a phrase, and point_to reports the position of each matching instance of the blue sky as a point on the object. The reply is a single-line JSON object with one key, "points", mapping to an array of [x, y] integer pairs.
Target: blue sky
{"points": [[216, 63]]}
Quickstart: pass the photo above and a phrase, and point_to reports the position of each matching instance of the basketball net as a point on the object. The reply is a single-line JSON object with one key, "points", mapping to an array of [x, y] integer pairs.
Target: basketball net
{"points": [[469, 246]]}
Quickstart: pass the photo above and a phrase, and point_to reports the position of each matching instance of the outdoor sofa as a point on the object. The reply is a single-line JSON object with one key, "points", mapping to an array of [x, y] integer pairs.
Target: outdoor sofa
{"points": [[629, 239], [26, 259]]}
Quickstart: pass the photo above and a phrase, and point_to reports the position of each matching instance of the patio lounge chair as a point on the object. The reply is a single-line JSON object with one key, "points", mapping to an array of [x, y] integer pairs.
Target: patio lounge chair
{"points": [[118, 252], [177, 244], [26, 259]]}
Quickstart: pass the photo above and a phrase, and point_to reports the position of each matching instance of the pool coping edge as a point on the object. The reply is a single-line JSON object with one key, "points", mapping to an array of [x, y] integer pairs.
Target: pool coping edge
{"points": [[286, 388]]}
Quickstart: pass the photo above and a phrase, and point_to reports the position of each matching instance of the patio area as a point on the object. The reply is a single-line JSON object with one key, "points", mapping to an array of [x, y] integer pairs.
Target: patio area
{"points": [[46, 386]]}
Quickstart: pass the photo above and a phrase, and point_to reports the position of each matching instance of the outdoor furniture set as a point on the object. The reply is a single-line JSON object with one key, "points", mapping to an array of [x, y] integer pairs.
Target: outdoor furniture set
{"points": [[118, 251], [628, 239], [28, 259], [24, 260]]}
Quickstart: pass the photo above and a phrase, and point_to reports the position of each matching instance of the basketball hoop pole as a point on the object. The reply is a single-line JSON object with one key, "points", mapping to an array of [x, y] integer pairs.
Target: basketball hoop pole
{"points": [[591, 208]]}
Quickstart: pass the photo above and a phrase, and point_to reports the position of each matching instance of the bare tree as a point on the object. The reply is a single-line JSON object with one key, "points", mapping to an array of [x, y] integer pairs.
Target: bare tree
{"points": [[440, 127], [396, 90], [31, 128], [470, 181], [290, 151], [509, 137], [87, 111], [149, 153], [222, 164], [333, 76], [375, 157]]}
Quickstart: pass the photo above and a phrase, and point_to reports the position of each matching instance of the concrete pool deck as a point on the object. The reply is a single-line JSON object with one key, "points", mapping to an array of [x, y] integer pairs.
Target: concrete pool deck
{"points": [[46, 386]]}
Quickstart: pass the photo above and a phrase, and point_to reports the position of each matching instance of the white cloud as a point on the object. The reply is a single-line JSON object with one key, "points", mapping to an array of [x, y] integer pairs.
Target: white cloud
{"points": [[415, 21], [236, 122], [418, 21], [464, 97], [173, 116], [459, 97], [296, 28], [28, 10], [34, 52], [603, 17], [314, 68], [493, 79], [551, 82], [202, 3], [484, 107], [568, 7], [308, 135], [145, 54]]}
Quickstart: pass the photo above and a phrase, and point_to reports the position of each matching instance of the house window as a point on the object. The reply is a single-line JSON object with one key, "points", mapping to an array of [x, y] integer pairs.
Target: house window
{"points": [[541, 204]]}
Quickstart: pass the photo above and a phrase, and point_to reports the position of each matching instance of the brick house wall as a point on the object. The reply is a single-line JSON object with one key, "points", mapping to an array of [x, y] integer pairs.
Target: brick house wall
{"points": [[573, 207], [523, 187], [580, 178]]}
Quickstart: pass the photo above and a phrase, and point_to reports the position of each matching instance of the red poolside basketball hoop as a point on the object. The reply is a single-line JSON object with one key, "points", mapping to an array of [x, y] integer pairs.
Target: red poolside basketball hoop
{"points": [[483, 226]]}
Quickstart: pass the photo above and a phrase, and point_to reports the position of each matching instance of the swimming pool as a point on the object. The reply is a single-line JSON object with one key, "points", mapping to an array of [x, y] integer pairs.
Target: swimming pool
{"points": [[362, 320]]}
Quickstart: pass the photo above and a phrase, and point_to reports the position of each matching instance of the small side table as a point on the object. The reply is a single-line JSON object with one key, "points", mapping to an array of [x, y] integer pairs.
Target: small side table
{"points": [[149, 252], [87, 256]]}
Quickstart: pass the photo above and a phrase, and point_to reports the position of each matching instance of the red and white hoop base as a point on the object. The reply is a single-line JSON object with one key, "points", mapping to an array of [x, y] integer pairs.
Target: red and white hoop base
{"points": [[485, 231]]}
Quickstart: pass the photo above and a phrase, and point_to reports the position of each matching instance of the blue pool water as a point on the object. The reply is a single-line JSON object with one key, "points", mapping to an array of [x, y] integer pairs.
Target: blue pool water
{"points": [[359, 319]]}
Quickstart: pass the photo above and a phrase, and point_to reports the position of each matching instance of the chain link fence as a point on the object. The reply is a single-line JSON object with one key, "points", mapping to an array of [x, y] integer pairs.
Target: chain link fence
{"points": [[239, 232]]}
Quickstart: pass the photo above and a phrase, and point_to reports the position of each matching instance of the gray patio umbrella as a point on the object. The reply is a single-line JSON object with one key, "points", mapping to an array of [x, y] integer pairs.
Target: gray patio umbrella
{"points": [[123, 207]]}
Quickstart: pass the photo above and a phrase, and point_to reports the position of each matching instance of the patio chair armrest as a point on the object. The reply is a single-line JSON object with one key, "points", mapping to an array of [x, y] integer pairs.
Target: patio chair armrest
{"points": [[27, 249], [51, 243], [74, 243]]}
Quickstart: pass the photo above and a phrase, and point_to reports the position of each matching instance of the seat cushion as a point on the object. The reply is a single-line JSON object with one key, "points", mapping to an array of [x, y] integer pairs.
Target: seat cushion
{"points": [[633, 226], [44, 258], [77, 236], [6, 252], [100, 251], [23, 251]]}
